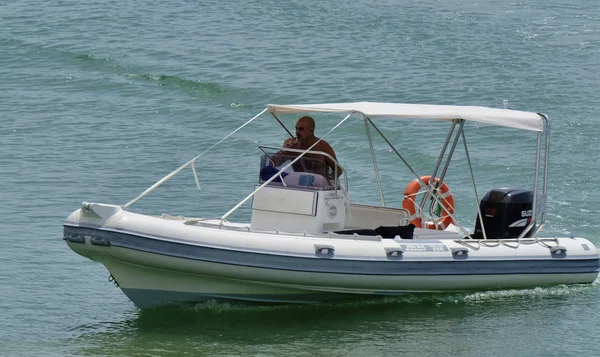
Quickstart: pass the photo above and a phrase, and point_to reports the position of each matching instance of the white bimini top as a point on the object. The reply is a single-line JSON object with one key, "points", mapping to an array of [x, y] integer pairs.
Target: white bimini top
{"points": [[494, 116]]}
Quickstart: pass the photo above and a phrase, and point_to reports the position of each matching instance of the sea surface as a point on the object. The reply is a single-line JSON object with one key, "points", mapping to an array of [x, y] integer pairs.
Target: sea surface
{"points": [[101, 99]]}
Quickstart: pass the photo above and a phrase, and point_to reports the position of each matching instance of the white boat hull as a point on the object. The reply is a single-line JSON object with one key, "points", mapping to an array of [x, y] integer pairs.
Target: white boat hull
{"points": [[157, 261], [180, 280]]}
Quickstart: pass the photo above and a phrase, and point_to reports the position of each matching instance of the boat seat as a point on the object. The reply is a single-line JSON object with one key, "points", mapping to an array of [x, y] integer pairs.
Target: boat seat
{"points": [[404, 232], [306, 180], [296, 179]]}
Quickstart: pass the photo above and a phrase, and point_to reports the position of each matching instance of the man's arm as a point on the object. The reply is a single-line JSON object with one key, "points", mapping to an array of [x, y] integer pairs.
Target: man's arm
{"points": [[328, 149]]}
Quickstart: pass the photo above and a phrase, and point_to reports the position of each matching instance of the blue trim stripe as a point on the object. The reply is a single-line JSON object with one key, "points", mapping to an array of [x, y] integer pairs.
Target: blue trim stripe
{"points": [[334, 265]]}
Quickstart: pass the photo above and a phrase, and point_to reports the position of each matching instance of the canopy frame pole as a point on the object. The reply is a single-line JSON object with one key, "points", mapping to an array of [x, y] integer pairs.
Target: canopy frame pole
{"points": [[479, 216], [443, 150], [535, 187], [374, 161], [442, 158], [283, 126], [395, 151], [224, 217], [542, 201], [536, 178], [461, 124], [176, 171], [437, 165], [429, 190]]}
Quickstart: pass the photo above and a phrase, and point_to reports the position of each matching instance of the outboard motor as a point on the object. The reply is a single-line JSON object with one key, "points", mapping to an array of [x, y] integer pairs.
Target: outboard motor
{"points": [[506, 212]]}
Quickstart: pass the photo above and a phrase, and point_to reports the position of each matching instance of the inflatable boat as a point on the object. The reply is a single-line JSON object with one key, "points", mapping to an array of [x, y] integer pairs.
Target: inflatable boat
{"points": [[307, 241]]}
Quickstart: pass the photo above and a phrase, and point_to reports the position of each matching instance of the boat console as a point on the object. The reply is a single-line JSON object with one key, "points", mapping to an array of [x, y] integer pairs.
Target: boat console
{"points": [[306, 197]]}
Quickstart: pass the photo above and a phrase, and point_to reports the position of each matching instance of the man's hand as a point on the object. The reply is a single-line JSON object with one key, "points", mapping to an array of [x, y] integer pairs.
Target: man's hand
{"points": [[291, 142]]}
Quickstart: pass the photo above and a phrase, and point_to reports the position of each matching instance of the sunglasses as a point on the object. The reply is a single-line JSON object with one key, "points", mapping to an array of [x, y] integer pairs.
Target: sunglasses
{"points": [[300, 128]]}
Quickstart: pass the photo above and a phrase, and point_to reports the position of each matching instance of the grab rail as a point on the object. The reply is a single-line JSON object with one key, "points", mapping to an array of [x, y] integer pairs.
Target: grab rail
{"points": [[300, 151]]}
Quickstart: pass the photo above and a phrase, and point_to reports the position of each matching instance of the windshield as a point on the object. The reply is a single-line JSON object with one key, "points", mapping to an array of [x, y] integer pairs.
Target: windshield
{"points": [[307, 172]]}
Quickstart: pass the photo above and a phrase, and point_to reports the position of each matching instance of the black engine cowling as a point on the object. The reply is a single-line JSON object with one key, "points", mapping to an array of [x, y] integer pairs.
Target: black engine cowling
{"points": [[506, 213]]}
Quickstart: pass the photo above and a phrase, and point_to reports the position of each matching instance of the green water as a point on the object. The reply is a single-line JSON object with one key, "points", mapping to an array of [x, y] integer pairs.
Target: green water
{"points": [[100, 99]]}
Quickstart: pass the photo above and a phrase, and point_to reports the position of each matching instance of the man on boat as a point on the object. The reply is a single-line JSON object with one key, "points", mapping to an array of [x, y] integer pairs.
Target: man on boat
{"points": [[305, 138]]}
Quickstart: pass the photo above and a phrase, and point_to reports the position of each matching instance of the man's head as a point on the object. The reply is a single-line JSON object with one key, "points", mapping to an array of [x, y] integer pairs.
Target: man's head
{"points": [[305, 128]]}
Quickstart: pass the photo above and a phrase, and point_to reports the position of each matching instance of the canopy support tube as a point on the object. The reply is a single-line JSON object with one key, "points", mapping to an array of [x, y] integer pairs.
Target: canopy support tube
{"points": [[437, 165], [169, 176], [374, 161], [443, 151], [283, 126], [536, 178], [394, 149], [542, 200], [438, 184], [479, 216], [461, 124], [429, 190]]}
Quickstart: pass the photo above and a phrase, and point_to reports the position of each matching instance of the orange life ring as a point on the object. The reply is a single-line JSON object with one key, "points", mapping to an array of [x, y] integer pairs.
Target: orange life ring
{"points": [[445, 196]]}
